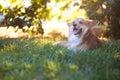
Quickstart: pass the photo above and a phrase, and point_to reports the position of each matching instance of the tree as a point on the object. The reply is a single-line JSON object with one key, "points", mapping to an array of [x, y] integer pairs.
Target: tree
{"points": [[94, 9], [18, 14], [105, 10], [113, 18], [65, 10]]}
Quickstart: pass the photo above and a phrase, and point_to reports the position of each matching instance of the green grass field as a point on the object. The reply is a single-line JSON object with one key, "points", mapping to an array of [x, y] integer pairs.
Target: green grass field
{"points": [[38, 59]]}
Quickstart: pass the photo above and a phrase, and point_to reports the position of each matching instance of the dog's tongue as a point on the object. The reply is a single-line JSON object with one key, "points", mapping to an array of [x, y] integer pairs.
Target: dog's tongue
{"points": [[75, 32]]}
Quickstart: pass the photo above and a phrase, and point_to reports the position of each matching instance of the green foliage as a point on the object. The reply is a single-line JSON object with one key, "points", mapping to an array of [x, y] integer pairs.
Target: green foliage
{"points": [[34, 13], [113, 16], [36, 59], [65, 10], [105, 11], [94, 9], [38, 10], [12, 1]]}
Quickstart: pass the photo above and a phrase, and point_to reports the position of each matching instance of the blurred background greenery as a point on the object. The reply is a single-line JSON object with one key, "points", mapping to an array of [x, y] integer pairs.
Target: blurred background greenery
{"points": [[33, 12]]}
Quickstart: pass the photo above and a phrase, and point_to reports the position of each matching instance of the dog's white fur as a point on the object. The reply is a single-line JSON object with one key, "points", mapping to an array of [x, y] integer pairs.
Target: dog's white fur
{"points": [[81, 36]]}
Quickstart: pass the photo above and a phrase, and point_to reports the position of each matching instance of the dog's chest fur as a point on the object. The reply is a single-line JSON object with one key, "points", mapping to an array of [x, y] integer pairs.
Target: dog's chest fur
{"points": [[74, 42]]}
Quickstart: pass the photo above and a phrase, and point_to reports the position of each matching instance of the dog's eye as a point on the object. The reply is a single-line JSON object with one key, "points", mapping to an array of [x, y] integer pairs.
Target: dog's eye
{"points": [[81, 29], [80, 22]]}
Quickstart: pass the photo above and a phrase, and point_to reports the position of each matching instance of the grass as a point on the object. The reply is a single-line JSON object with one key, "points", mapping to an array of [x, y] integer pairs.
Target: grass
{"points": [[38, 59]]}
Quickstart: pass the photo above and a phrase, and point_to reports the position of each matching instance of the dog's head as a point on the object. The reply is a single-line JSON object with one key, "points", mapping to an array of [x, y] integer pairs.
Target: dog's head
{"points": [[79, 26]]}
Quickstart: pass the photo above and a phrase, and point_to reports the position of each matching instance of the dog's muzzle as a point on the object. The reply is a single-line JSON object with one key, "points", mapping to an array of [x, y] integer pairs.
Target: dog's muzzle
{"points": [[77, 31]]}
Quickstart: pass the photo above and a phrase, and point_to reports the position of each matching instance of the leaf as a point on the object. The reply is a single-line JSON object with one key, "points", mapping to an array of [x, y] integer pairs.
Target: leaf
{"points": [[12, 1]]}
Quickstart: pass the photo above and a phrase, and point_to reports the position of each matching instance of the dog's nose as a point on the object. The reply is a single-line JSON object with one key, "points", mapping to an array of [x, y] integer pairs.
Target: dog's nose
{"points": [[74, 25], [74, 28]]}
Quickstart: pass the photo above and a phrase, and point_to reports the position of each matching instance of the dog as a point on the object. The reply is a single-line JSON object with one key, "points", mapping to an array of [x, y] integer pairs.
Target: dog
{"points": [[81, 36]]}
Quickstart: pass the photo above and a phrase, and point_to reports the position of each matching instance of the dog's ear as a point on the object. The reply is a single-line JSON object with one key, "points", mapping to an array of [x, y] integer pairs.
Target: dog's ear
{"points": [[93, 23]]}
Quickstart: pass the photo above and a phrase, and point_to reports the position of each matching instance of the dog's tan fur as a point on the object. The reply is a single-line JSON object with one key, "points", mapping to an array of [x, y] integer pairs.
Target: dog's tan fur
{"points": [[81, 36]]}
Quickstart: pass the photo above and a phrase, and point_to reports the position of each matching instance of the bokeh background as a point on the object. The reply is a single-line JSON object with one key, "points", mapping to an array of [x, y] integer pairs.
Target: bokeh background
{"points": [[48, 18]]}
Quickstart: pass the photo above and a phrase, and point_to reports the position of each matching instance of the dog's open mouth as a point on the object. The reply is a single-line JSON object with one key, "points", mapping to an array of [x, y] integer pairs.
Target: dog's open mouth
{"points": [[77, 31]]}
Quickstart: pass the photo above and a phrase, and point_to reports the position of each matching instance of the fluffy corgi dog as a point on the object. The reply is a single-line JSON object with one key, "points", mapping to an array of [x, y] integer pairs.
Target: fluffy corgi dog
{"points": [[81, 36]]}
